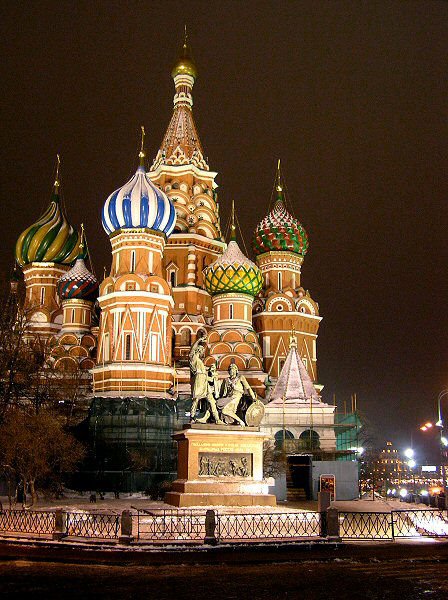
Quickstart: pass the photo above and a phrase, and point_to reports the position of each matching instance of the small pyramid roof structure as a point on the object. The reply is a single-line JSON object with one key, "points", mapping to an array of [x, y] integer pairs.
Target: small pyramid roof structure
{"points": [[294, 384]]}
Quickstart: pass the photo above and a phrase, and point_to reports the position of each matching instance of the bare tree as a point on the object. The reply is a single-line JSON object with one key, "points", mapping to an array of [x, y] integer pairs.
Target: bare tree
{"points": [[35, 449]]}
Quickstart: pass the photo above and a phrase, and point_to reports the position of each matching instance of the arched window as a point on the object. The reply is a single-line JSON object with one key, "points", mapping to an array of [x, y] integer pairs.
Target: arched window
{"points": [[42, 295], [282, 434], [279, 280], [173, 278], [310, 439], [230, 311]]}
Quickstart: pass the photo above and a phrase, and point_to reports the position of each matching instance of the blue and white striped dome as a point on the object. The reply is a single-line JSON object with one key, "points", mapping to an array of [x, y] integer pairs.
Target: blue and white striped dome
{"points": [[139, 203]]}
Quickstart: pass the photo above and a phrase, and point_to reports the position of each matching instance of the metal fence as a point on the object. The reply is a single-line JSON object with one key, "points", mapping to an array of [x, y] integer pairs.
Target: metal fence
{"points": [[30, 521], [365, 526], [93, 525], [391, 525], [268, 526], [196, 526], [170, 525], [417, 523]]}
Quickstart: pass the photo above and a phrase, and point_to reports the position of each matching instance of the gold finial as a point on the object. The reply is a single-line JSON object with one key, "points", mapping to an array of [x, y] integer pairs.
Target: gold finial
{"points": [[56, 181], [81, 245], [232, 223], [185, 65], [279, 181], [142, 154]]}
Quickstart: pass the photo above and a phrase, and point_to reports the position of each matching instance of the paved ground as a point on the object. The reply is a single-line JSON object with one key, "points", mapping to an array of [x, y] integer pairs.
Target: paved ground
{"points": [[339, 580], [126, 501]]}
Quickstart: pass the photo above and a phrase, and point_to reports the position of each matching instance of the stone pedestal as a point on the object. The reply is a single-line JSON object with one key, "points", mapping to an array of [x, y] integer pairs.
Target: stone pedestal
{"points": [[219, 465]]}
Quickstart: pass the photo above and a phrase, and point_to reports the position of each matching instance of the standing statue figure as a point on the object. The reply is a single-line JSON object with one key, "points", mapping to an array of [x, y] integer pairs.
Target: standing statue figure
{"points": [[204, 383], [234, 387], [213, 389], [198, 374]]}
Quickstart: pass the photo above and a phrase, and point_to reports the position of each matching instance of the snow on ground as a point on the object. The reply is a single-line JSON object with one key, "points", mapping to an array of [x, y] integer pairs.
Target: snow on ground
{"points": [[75, 502], [382, 506]]}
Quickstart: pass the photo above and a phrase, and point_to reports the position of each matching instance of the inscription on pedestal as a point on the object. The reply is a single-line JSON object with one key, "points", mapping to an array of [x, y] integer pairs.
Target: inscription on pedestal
{"points": [[225, 465]]}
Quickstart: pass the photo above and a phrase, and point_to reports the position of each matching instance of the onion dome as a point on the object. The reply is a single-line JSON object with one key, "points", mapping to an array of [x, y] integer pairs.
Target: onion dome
{"points": [[78, 283], [185, 65], [279, 230], [51, 239], [139, 204], [233, 272]]}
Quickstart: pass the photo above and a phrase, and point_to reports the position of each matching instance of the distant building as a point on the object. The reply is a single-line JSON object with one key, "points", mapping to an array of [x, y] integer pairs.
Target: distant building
{"points": [[390, 467]]}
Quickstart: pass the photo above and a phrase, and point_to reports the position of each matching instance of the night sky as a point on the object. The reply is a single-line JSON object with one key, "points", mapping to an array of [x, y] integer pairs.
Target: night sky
{"points": [[351, 95]]}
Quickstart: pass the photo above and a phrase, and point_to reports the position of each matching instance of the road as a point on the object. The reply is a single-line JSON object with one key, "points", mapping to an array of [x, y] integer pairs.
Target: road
{"points": [[334, 579]]}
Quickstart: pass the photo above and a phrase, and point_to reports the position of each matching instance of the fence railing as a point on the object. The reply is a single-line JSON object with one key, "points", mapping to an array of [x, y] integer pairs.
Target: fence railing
{"points": [[30, 521], [394, 524], [155, 526], [268, 526], [93, 525], [170, 525], [365, 526], [417, 523]]}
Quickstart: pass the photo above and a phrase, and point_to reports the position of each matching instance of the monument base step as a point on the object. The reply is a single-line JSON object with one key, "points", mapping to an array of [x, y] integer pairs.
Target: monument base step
{"points": [[185, 499]]}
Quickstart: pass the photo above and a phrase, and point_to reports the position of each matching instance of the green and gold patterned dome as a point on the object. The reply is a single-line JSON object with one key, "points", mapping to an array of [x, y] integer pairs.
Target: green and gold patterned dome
{"points": [[51, 239], [233, 272]]}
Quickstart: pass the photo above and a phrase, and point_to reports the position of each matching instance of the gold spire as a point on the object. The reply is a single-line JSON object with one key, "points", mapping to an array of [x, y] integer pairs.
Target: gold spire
{"points": [[279, 181], [185, 64], [142, 154], [57, 183], [232, 223]]}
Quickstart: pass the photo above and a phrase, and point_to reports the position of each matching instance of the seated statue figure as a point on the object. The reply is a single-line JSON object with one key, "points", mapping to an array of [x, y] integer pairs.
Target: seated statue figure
{"points": [[233, 389]]}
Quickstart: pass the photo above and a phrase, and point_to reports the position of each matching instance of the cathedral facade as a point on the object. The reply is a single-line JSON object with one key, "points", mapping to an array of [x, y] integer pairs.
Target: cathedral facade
{"points": [[173, 279]]}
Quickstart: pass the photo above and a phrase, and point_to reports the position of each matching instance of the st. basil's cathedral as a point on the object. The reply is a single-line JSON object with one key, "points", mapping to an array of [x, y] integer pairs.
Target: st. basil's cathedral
{"points": [[173, 279]]}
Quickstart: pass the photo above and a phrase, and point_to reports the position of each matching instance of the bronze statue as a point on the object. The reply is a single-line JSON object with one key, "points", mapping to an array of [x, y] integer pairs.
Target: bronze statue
{"points": [[213, 389], [204, 383], [198, 373], [233, 390], [223, 401]]}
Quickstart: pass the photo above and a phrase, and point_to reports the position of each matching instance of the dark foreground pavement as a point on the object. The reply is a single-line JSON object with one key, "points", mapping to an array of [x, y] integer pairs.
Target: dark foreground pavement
{"points": [[343, 571]]}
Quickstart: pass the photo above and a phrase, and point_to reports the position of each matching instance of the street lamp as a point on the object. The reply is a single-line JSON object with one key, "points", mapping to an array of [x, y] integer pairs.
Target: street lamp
{"points": [[409, 453], [443, 440], [411, 465]]}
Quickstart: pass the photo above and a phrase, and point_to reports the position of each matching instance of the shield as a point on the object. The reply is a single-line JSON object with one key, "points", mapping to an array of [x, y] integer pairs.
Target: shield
{"points": [[255, 414]]}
